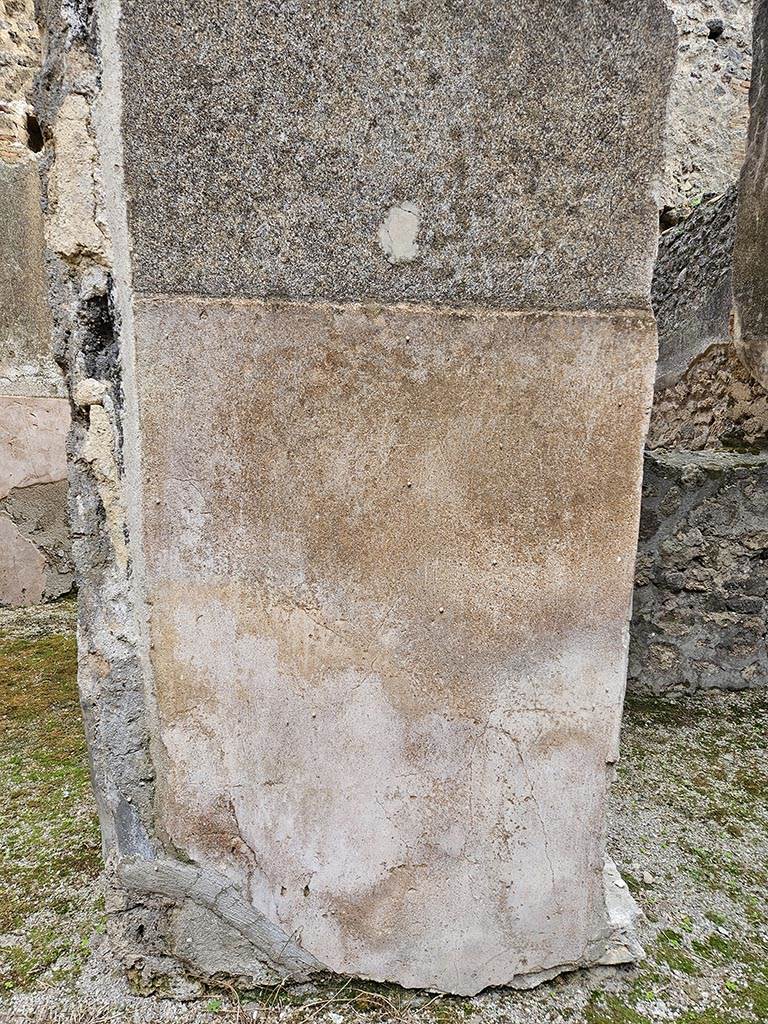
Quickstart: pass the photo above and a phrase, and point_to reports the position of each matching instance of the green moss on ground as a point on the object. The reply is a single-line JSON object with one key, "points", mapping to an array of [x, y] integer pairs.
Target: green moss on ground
{"points": [[610, 1009], [702, 802], [689, 806], [49, 839]]}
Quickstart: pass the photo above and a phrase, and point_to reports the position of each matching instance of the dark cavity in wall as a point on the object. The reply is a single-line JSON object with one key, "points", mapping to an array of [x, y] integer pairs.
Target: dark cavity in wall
{"points": [[35, 139], [100, 348]]}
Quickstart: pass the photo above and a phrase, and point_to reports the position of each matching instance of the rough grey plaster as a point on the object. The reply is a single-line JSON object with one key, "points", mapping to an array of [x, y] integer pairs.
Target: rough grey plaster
{"points": [[39, 512], [265, 143], [700, 616], [750, 269], [22, 567], [209, 926], [87, 347], [33, 477], [110, 682]]}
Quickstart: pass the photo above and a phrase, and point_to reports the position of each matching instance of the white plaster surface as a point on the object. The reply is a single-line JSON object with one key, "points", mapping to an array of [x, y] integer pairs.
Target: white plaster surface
{"points": [[398, 231], [389, 567]]}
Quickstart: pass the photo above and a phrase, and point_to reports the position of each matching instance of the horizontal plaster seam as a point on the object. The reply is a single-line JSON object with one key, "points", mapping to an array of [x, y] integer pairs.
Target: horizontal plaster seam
{"points": [[33, 398], [437, 309]]}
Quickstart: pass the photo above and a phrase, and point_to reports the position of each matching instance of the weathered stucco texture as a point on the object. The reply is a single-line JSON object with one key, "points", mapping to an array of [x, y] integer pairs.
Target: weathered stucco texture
{"points": [[34, 544], [34, 558], [32, 442], [387, 351], [26, 361], [387, 646], [265, 145]]}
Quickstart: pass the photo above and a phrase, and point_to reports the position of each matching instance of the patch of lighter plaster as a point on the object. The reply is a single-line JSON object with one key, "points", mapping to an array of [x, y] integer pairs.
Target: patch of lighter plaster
{"points": [[74, 228], [398, 231], [99, 452], [621, 944]]}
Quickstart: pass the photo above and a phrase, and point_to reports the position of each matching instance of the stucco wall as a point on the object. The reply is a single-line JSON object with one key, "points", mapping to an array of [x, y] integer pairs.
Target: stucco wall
{"points": [[351, 413]]}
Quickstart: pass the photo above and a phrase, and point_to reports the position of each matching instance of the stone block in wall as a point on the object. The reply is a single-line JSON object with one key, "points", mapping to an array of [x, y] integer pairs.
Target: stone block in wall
{"points": [[700, 617]]}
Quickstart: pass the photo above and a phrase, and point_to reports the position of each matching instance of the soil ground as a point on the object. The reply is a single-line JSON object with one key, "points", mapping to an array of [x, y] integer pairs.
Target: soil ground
{"points": [[688, 829]]}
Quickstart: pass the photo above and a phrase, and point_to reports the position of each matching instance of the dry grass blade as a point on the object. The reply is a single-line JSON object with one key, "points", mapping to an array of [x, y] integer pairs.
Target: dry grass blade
{"points": [[241, 1017], [323, 1004]]}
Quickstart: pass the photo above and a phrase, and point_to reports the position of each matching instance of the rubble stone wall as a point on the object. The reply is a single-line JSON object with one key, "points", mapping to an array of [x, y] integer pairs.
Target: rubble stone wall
{"points": [[705, 397], [708, 106], [700, 601], [750, 270], [699, 617], [35, 561]]}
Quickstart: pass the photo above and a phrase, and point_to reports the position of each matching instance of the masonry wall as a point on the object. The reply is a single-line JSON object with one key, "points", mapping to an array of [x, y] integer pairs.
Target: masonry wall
{"points": [[700, 618], [708, 105], [700, 600], [354, 597], [35, 559]]}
